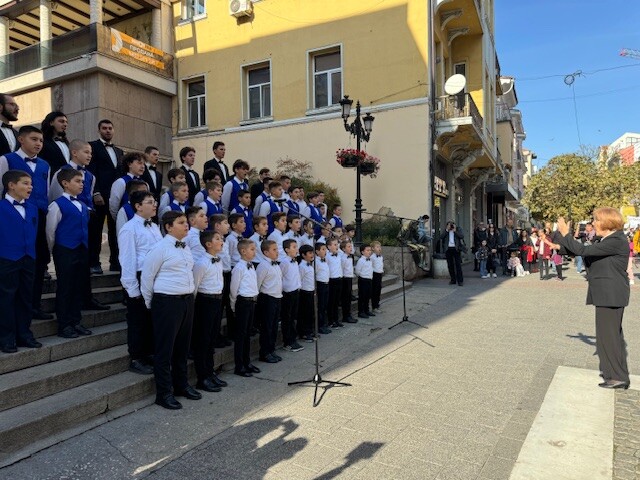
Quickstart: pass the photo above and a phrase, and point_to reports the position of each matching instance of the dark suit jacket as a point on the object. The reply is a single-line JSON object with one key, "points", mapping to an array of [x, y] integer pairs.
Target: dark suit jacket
{"points": [[458, 238], [213, 163], [4, 145], [607, 261], [156, 191], [52, 154], [103, 169], [194, 187]]}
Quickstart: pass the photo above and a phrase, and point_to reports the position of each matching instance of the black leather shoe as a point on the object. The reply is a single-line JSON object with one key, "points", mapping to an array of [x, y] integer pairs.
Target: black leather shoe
{"points": [[9, 348], [96, 270], [324, 330], [40, 315], [188, 392], [252, 368], [350, 319], [208, 386], [136, 366], [47, 275], [68, 332], [115, 268], [269, 359], [614, 384], [460, 284], [362, 315], [276, 356], [452, 282], [243, 373], [31, 343], [217, 380], [82, 330], [371, 314], [96, 305], [169, 402]]}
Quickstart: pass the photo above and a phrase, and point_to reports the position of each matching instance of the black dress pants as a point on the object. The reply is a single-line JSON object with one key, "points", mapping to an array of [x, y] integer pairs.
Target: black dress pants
{"points": [[454, 263], [288, 316], [612, 349], [345, 294], [42, 259], [306, 314], [16, 284], [96, 224], [269, 309], [335, 296], [207, 309], [139, 328], [242, 340], [226, 305], [322, 290], [172, 321], [71, 265], [364, 294], [376, 290]]}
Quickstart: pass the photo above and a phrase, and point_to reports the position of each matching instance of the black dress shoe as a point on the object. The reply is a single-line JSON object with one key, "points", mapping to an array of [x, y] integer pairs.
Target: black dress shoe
{"points": [[47, 275], [115, 268], [68, 332], [9, 348], [40, 315], [350, 319], [362, 315], [31, 343], [460, 284], [371, 314], [269, 359], [137, 366], [452, 282], [96, 305], [168, 402], [82, 330], [96, 270], [188, 392], [276, 356], [614, 384], [252, 368], [243, 373], [217, 380], [208, 386]]}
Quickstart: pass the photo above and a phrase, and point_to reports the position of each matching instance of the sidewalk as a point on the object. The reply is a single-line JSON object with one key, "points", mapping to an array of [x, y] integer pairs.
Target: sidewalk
{"points": [[454, 401]]}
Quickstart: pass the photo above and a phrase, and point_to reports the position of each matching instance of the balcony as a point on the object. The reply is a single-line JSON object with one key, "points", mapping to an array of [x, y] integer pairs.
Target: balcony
{"points": [[459, 109]]}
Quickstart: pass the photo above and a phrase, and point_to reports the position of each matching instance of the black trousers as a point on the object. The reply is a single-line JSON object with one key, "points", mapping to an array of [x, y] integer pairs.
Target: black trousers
{"points": [[504, 257], [242, 340], [96, 224], [364, 294], [139, 328], [335, 296], [322, 290], [269, 309], [288, 316], [172, 321], [612, 349], [42, 259], [454, 263], [71, 265], [543, 264], [376, 289], [345, 297], [16, 285], [207, 310], [306, 314], [226, 305]]}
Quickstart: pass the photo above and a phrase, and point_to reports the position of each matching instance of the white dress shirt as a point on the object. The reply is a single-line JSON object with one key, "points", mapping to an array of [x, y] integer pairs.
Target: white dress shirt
{"points": [[258, 205], [307, 276], [164, 202], [335, 265], [278, 237], [322, 270], [269, 278], [307, 239], [290, 275], [135, 239], [11, 138], [193, 241], [244, 282], [20, 208], [111, 152], [332, 221], [207, 275], [56, 190], [167, 269], [54, 215], [152, 174], [117, 192], [204, 205], [265, 208], [255, 238], [199, 198], [232, 241], [225, 257], [226, 193], [191, 173], [302, 204], [183, 208], [4, 165], [295, 236], [347, 265], [121, 219], [452, 239], [64, 148], [364, 268], [378, 263]]}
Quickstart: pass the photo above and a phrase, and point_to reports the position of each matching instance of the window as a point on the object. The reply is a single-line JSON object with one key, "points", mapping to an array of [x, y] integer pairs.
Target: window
{"points": [[259, 92], [196, 104], [192, 8], [327, 79]]}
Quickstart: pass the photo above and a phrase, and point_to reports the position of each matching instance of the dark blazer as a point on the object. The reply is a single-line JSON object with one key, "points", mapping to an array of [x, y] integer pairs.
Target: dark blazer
{"points": [[52, 154], [607, 261], [193, 187], [4, 145], [213, 163], [102, 167], [458, 237], [146, 176]]}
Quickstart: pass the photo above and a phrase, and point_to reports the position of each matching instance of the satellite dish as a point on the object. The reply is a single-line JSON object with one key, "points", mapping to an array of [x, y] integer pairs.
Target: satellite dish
{"points": [[455, 84]]}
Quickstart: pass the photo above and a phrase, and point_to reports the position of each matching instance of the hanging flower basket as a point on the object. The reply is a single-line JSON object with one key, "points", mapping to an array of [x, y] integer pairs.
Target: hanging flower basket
{"points": [[367, 168], [350, 157], [370, 166]]}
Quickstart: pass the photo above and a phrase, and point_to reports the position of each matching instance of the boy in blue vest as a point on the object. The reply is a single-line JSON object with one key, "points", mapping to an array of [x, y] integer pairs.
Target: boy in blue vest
{"points": [[336, 219], [210, 175], [238, 182], [313, 212], [133, 164], [292, 205], [260, 199], [127, 212], [243, 208], [174, 175], [26, 159], [19, 220], [180, 194], [80, 152], [68, 239], [211, 204], [274, 204]]}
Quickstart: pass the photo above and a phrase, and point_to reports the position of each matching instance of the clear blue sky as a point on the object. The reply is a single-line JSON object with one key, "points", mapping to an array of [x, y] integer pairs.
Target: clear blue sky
{"points": [[538, 38]]}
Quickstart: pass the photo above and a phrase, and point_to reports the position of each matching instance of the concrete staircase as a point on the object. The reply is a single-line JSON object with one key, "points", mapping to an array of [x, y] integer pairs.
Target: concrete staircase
{"points": [[70, 385]]}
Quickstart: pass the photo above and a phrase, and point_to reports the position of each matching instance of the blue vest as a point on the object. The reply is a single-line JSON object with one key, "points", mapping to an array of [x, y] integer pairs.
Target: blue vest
{"points": [[293, 206], [125, 196], [86, 196], [39, 179], [176, 207], [18, 235], [212, 208], [248, 219], [128, 209], [170, 194], [233, 201], [338, 221], [73, 229], [274, 207], [315, 214]]}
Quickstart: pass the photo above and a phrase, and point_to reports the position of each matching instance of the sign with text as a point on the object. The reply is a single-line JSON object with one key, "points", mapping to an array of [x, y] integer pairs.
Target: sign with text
{"points": [[123, 44], [440, 187]]}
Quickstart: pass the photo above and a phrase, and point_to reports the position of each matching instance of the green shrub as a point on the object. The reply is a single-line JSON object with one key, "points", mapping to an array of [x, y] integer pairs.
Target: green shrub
{"points": [[384, 231]]}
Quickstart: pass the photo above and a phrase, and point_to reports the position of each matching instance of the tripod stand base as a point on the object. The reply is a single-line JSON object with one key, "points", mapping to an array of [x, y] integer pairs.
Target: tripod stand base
{"points": [[317, 381], [405, 319]]}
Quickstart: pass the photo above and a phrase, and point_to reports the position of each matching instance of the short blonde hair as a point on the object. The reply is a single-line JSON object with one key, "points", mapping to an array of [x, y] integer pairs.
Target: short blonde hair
{"points": [[609, 218], [375, 243]]}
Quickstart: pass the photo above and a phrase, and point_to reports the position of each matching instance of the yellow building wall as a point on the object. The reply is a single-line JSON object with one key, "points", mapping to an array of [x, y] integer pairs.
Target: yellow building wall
{"points": [[468, 48], [505, 141]]}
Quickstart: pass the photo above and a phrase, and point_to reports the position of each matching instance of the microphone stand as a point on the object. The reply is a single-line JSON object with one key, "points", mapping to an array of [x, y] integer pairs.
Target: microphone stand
{"points": [[405, 318]]}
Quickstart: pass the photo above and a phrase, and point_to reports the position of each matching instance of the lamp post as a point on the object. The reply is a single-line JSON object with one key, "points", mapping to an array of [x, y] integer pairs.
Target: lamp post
{"points": [[361, 129]]}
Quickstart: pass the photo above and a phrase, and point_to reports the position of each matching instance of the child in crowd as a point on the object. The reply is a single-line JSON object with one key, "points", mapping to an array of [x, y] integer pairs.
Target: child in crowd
{"points": [[364, 271], [133, 165], [292, 206], [346, 259], [322, 286], [236, 222], [335, 283], [198, 223], [312, 211], [279, 220], [80, 152], [325, 232], [302, 205], [273, 205], [285, 181], [260, 227], [290, 296], [307, 237], [269, 277], [174, 175], [351, 231], [293, 229], [220, 225], [260, 199], [238, 182], [544, 254], [337, 232], [305, 303], [243, 295], [208, 283], [19, 220], [515, 265], [180, 202], [211, 204], [210, 175], [243, 208], [336, 219], [323, 210], [482, 254], [378, 269], [127, 212], [135, 239]]}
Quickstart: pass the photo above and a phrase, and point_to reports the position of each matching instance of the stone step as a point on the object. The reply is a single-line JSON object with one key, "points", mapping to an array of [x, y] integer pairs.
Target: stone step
{"points": [[31, 384], [55, 348], [108, 279], [90, 319], [106, 295]]}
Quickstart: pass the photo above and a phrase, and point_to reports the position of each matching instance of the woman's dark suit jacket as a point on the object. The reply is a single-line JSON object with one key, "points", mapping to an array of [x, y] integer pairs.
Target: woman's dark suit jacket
{"points": [[607, 261]]}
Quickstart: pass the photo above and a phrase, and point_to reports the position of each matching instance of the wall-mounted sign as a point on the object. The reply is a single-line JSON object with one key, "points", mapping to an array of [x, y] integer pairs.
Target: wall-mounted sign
{"points": [[123, 44], [440, 187]]}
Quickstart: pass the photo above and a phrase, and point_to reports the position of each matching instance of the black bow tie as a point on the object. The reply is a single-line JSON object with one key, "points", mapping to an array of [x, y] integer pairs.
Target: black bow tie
{"points": [[249, 266], [334, 254], [32, 160], [310, 237], [215, 259], [80, 168], [275, 262], [263, 238], [240, 237], [153, 167], [73, 199], [6, 125], [323, 260], [59, 139], [296, 235], [309, 264], [293, 260], [180, 244], [15, 202], [108, 144], [368, 259], [182, 204], [349, 256], [148, 223]]}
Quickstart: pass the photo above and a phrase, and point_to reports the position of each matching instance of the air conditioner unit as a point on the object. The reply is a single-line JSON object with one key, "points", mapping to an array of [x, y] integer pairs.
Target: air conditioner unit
{"points": [[240, 8]]}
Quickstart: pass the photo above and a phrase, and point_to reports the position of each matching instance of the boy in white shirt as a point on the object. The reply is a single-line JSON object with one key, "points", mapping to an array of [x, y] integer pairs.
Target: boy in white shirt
{"points": [[243, 208], [127, 212], [378, 270], [346, 258], [294, 225], [307, 289], [220, 225], [269, 278], [364, 271], [279, 227], [322, 287], [307, 237], [290, 296], [198, 223], [335, 283], [260, 227], [173, 175], [211, 204], [180, 202], [236, 222], [133, 162]]}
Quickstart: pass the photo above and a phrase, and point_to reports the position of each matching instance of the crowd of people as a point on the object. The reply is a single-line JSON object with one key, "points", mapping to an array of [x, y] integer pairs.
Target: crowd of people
{"points": [[186, 253]]}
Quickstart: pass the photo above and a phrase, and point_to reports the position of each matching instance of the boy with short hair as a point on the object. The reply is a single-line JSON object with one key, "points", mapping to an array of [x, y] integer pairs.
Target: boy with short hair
{"points": [[243, 293], [322, 286], [269, 278], [244, 202], [335, 283], [211, 203], [325, 233], [293, 226], [260, 199], [364, 271], [210, 175], [167, 286], [292, 206], [307, 237], [133, 164], [350, 230], [273, 205], [19, 220], [220, 224], [238, 182], [337, 232], [260, 227], [279, 220], [68, 239], [180, 202], [285, 181], [174, 175], [236, 222], [208, 282], [307, 290], [198, 223], [127, 212], [135, 239], [290, 294], [80, 152], [346, 260], [378, 269], [336, 219]]}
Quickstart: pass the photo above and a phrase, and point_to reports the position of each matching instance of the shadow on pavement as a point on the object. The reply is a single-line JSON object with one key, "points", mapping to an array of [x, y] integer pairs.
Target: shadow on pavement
{"points": [[362, 452]]}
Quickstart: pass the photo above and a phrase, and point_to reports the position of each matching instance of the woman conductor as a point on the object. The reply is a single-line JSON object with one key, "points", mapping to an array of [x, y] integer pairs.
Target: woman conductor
{"points": [[608, 289]]}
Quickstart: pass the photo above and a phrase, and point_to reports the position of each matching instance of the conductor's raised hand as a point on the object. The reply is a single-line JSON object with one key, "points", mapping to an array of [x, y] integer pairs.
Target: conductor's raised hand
{"points": [[563, 226]]}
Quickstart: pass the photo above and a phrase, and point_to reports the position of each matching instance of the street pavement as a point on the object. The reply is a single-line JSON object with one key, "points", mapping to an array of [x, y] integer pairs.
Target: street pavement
{"points": [[454, 400]]}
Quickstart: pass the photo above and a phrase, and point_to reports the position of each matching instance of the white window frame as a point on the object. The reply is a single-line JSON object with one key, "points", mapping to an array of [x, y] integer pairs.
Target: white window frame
{"points": [[186, 9], [466, 73], [185, 104], [311, 77], [244, 72]]}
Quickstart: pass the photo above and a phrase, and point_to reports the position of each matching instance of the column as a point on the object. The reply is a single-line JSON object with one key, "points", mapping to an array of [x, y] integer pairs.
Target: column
{"points": [[4, 35], [45, 20], [156, 28], [95, 11]]}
